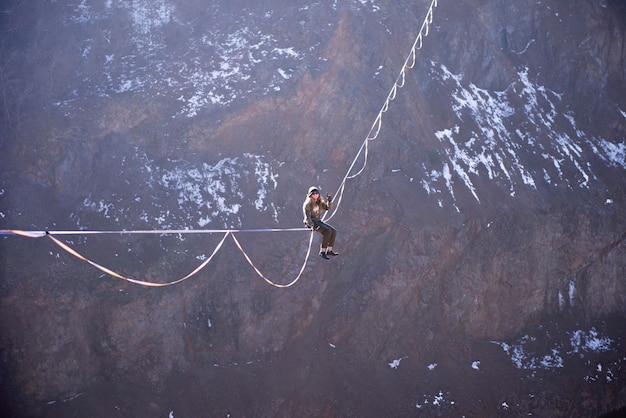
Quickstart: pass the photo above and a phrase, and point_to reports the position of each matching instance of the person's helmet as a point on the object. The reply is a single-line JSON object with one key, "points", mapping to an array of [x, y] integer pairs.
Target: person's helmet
{"points": [[311, 190]]}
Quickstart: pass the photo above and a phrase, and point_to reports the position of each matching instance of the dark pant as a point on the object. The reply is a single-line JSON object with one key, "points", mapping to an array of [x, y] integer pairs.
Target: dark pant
{"points": [[328, 233]]}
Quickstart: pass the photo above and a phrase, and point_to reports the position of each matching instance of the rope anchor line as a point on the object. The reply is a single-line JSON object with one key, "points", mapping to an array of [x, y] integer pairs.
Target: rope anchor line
{"points": [[373, 133]]}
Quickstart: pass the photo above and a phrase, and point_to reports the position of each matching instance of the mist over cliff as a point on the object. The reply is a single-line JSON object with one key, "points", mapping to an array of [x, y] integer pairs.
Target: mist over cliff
{"points": [[482, 266]]}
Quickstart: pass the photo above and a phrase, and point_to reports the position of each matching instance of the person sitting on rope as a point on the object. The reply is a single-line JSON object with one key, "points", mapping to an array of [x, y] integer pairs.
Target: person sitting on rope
{"points": [[312, 210]]}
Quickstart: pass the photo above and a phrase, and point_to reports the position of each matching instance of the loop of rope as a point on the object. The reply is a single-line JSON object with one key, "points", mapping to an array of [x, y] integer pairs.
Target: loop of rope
{"points": [[414, 55], [258, 272], [373, 133], [402, 83], [378, 123], [140, 282]]}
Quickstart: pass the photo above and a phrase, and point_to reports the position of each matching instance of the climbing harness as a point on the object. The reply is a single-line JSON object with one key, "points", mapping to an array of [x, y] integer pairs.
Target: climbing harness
{"points": [[373, 133]]}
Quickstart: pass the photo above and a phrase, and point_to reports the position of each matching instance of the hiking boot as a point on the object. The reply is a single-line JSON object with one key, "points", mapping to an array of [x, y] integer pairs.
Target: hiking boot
{"points": [[324, 256], [331, 252]]}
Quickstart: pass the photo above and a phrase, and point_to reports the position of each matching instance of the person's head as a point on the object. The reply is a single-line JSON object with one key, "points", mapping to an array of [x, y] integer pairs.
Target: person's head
{"points": [[313, 193]]}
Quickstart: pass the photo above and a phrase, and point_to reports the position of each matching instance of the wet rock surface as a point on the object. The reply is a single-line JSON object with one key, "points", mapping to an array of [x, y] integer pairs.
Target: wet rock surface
{"points": [[482, 266]]}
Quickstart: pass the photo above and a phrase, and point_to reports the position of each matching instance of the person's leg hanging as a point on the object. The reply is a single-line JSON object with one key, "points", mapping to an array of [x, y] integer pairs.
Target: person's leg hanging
{"points": [[322, 228], [329, 235]]}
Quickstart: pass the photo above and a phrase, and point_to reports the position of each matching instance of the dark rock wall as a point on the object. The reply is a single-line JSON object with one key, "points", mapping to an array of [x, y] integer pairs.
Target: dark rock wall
{"points": [[413, 279]]}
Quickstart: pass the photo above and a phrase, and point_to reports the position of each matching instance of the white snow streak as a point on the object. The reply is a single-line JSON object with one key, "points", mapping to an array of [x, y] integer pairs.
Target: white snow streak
{"points": [[188, 196], [498, 139]]}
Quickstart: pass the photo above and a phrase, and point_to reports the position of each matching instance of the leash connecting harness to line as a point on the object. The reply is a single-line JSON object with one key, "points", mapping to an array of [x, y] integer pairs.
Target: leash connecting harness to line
{"points": [[373, 133]]}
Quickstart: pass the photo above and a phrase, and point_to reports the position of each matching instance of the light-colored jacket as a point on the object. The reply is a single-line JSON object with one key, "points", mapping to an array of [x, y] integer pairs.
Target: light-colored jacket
{"points": [[312, 211]]}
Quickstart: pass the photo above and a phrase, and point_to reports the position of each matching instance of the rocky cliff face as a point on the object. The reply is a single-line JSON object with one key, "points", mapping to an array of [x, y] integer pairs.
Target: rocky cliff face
{"points": [[482, 267]]}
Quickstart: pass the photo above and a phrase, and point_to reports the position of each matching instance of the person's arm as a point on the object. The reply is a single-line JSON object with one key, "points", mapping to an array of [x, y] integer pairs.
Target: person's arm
{"points": [[328, 205], [306, 210]]}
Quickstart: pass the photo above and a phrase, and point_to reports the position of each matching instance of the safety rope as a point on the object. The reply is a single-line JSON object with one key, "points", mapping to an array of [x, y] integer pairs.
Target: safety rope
{"points": [[373, 133], [226, 232], [306, 259], [128, 279]]}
